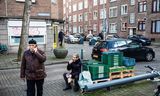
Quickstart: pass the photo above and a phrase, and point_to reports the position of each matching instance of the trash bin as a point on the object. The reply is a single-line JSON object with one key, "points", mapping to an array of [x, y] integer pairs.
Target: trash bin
{"points": [[81, 40], [92, 41]]}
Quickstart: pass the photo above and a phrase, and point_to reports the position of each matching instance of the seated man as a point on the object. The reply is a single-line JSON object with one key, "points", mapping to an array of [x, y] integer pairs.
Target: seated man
{"points": [[75, 66]]}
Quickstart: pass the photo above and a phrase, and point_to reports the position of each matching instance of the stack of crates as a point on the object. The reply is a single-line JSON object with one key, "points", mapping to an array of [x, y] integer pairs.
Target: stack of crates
{"points": [[112, 59], [97, 69]]}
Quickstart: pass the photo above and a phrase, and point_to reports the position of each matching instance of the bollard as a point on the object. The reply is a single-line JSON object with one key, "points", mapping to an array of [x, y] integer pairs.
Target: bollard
{"points": [[81, 54]]}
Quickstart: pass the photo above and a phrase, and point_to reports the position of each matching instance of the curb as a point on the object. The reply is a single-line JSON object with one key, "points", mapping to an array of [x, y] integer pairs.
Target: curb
{"points": [[46, 64]]}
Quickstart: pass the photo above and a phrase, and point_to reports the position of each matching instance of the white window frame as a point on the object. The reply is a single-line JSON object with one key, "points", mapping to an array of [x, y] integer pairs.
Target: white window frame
{"points": [[95, 2], [85, 16], [124, 26], [74, 7], [70, 9], [74, 29], [80, 5], [95, 15], [33, 1], [80, 17], [132, 18], [75, 18], [132, 2], [94, 27], [112, 28], [124, 9], [102, 2], [112, 13], [113, 0], [102, 13], [54, 1], [85, 3]]}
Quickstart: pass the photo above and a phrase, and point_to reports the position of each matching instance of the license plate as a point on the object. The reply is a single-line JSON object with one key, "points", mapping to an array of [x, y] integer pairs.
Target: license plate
{"points": [[96, 56]]}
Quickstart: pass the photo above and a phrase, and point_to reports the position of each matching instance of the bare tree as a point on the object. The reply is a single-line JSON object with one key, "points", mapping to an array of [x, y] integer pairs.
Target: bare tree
{"points": [[25, 29]]}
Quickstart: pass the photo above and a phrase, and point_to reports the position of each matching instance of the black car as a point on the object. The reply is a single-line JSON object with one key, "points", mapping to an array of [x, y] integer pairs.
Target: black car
{"points": [[128, 47], [140, 39]]}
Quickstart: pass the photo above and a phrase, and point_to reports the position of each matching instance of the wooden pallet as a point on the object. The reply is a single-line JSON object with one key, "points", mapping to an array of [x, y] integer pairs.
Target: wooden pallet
{"points": [[121, 74]]}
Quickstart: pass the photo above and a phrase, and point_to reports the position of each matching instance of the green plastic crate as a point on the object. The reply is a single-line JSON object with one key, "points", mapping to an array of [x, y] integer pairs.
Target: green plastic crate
{"points": [[112, 58], [99, 68], [90, 62]]}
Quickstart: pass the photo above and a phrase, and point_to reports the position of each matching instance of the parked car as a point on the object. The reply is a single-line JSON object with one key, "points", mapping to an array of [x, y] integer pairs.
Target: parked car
{"points": [[128, 47], [94, 39], [140, 39], [71, 39]]}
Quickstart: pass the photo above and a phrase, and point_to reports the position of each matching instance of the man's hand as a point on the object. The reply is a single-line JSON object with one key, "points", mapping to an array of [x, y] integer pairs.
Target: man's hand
{"points": [[23, 79], [35, 49], [70, 61]]}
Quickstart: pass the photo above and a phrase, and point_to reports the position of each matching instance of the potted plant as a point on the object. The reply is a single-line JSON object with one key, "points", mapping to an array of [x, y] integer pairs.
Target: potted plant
{"points": [[60, 51]]}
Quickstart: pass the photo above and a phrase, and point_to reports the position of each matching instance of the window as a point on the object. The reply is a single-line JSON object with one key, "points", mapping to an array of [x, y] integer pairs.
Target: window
{"points": [[54, 1], [86, 4], [124, 26], [124, 9], [70, 18], [113, 0], [156, 6], [95, 2], [132, 2], [85, 16], [80, 6], [102, 13], [74, 29], [64, 10], [156, 26], [112, 28], [113, 12], [74, 7], [132, 18], [37, 31], [33, 1], [80, 30], [95, 15], [141, 25], [64, 2], [95, 27], [85, 27], [69, 9], [142, 6], [102, 1], [74, 18], [80, 18]]}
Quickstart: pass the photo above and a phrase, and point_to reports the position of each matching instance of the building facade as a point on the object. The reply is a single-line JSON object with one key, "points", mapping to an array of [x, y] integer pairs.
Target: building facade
{"points": [[121, 17], [45, 14]]}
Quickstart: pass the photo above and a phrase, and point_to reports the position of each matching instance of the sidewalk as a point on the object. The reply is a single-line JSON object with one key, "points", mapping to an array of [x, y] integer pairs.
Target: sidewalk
{"points": [[7, 61]]}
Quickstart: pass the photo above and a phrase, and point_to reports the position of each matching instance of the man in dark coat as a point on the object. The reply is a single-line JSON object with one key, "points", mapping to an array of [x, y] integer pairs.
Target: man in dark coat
{"points": [[60, 37], [32, 69], [75, 66]]}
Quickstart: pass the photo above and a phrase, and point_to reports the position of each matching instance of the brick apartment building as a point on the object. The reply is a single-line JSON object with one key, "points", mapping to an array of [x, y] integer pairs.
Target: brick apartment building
{"points": [[45, 16], [123, 17]]}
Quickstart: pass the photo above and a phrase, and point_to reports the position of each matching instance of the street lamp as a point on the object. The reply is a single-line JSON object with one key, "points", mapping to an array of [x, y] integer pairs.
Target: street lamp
{"points": [[104, 22]]}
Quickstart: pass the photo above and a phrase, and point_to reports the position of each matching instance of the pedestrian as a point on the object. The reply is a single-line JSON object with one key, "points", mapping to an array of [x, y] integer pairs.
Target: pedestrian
{"points": [[33, 69], [101, 35], [74, 65], [61, 36]]}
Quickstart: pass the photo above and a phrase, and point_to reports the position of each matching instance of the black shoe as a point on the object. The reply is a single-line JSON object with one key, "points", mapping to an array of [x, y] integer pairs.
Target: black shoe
{"points": [[67, 88]]}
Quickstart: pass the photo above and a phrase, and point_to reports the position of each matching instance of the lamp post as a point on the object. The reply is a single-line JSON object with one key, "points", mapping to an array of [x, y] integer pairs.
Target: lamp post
{"points": [[104, 22]]}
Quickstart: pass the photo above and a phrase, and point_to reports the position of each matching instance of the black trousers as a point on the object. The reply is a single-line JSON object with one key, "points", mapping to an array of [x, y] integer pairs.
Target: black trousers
{"points": [[76, 78], [31, 84]]}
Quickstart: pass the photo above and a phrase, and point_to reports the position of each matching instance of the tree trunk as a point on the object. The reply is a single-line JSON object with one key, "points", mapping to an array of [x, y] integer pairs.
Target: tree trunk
{"points": [[25, 29]]}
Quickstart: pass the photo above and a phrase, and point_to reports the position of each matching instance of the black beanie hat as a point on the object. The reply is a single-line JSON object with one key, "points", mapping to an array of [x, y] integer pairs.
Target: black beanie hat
{"points": [[32, 41]]}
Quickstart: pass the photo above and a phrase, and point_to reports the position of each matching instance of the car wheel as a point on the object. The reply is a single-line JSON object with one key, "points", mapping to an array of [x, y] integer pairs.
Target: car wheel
{"points": [[149, 56]]}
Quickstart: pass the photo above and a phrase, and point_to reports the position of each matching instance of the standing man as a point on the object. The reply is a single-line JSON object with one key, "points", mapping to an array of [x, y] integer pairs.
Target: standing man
{"points": [[74, 65], [60, 37], [33, 69]]}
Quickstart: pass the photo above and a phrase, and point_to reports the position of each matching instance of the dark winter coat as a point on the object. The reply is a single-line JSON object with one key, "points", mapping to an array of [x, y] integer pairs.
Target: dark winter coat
{"points": [[32, 66], [60, 36], [75, 68]]}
